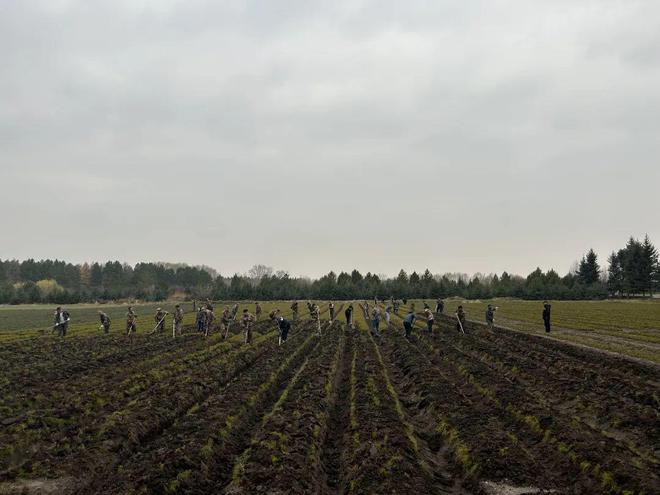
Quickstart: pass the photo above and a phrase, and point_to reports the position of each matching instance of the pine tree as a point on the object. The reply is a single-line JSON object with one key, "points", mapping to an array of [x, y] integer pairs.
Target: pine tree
{"points": [[649, 266], [96, 275], [632, 264], [589, 270], [615, 274]]}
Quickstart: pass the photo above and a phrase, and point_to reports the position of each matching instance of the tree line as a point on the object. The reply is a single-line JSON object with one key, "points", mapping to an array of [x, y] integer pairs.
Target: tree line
{"points": [[633, 271]]}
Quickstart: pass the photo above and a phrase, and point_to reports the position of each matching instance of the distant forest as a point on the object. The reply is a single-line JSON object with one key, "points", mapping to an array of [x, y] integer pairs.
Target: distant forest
{"points": [[632, 271]]}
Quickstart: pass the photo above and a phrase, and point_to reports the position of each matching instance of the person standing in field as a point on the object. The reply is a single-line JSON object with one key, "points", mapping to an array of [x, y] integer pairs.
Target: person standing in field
{"points": [[105, 321], [294, 310], [439, 306], [283, 326], [429, 320], [61, 321], [490, 316], [349, 315], [386, 315], [159, 318], [460, 319], [257, 310], [331, 308], [546, 316], [178, 320], [131, 323], [375, 322], [200, 319], [225, 322], [246, 324], [316, 317], [208, 322], [395, 305], [408, 321]]}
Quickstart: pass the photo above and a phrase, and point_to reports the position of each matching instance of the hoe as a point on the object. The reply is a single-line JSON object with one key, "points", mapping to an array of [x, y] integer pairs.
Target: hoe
{"points": [[58, 324], [460, 324], [161, 321], [227, 327]]}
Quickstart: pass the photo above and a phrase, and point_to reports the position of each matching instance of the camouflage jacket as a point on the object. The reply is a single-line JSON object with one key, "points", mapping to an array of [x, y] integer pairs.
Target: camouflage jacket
{"points": [[246, 319]]}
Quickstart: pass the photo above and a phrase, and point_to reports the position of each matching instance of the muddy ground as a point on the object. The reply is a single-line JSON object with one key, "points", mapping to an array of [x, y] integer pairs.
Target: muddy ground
{"points": [[344, 412]]}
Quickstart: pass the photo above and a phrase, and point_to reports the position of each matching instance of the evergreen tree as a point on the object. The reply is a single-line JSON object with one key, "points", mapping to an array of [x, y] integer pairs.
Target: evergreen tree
{"points": [[649, 266], [589, 270], [344, 279], [96, 276], [356, 277], [632, 263], [615, 274]]}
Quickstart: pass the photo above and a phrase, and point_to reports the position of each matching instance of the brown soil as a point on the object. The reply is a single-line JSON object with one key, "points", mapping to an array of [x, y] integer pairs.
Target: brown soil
{"points": [[347, 412]]}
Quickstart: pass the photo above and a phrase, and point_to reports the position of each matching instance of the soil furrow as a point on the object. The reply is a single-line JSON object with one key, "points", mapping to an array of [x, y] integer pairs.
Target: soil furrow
{"points": [[210, 430], [284, 454], [112, 416], [333, 452]]}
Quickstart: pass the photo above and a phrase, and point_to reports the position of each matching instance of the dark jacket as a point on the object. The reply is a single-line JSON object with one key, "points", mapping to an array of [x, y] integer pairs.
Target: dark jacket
{"points": [[65, 317]]}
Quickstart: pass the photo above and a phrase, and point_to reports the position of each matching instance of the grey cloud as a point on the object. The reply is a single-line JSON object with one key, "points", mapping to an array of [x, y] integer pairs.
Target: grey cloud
{"points": [[462, 136]]}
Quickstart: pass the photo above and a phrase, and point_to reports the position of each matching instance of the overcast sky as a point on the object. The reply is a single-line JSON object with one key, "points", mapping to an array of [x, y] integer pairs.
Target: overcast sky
{"points": [[310, 136]]}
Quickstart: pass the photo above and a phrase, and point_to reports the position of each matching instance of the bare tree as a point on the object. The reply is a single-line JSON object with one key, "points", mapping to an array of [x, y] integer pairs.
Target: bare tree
{"points": [[257, 272]]}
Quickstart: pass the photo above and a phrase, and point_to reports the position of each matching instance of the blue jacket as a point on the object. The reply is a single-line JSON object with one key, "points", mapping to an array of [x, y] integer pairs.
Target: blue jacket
{"points": [[409, 318]]}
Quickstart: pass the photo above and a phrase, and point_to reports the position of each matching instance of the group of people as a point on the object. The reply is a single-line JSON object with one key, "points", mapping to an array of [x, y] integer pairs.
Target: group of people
{"points": [[159, 319], [205, 318]]}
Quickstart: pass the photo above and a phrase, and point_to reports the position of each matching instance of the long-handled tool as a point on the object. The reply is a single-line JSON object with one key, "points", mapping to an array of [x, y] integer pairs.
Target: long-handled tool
{"points": [[158, 324], [57, 325], [460, 324], [227, 327]]}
